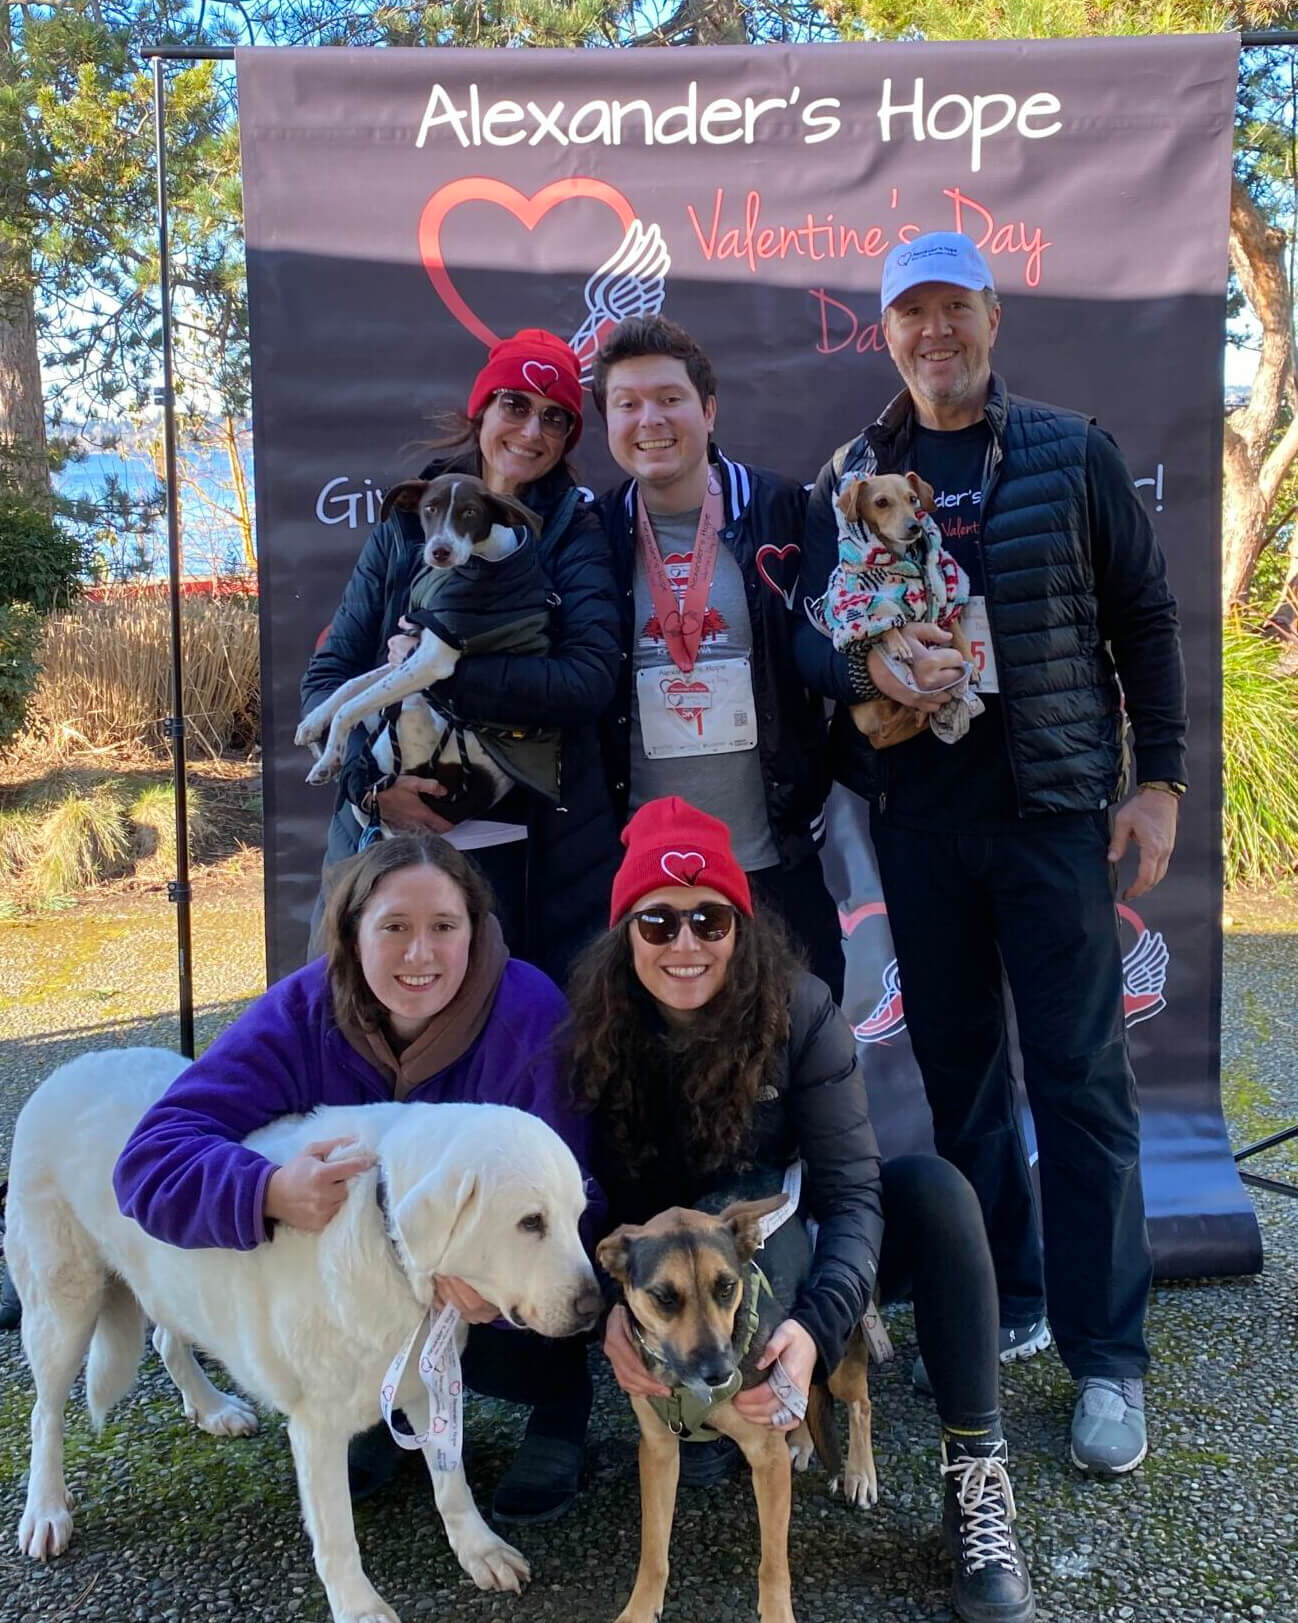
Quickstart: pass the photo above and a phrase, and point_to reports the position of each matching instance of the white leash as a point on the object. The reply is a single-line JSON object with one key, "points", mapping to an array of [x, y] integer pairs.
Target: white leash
{"points": [[791, 1396], [439, 1370]]}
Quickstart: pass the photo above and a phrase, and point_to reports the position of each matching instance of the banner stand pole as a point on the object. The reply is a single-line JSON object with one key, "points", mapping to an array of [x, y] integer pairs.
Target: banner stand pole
{"points": [[1276, 1185], [173, 726]]}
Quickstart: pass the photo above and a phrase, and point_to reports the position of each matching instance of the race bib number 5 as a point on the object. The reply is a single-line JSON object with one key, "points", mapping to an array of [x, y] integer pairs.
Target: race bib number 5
{"points": [[973, 618]]}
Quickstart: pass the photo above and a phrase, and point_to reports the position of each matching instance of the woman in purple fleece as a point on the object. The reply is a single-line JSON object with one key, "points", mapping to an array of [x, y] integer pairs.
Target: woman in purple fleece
{"points": [[415, 998]]}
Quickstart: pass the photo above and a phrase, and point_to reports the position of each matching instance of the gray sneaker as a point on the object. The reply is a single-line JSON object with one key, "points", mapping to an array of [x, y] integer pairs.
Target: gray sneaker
{"points": [[1108, 1430], [1016, 1342]]}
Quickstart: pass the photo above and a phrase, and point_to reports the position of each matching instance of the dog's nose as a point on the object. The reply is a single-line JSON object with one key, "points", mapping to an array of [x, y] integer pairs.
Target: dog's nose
{"points": [[441, 555], [715, 1367]]}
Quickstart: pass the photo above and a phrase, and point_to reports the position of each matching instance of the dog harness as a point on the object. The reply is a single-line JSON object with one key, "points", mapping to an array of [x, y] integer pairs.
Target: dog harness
{"points": [[684, 1412]]}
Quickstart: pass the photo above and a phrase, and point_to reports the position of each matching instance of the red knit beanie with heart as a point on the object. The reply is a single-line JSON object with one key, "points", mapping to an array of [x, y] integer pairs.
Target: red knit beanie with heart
{"points": [[670, 842], [539, 363]]}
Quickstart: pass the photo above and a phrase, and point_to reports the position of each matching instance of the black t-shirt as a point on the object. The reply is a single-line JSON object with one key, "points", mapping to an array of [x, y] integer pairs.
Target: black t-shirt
{"points": [[929, 784]]}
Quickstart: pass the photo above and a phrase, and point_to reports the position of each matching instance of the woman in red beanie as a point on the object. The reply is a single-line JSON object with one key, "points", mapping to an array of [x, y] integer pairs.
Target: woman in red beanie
{"points": [[550, 867], [710, 1059]]}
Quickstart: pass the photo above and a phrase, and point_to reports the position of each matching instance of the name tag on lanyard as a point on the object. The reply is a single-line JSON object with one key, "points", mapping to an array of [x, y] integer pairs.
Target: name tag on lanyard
{"points": [[687, 708]]}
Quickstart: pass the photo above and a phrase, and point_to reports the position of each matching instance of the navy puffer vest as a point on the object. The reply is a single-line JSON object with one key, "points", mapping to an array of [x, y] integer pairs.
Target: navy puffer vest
{"points": [[1060, 697]]}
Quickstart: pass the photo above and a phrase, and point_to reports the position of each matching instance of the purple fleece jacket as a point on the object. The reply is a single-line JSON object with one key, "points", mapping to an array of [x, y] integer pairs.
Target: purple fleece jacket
{"points": [[185, 1176]]}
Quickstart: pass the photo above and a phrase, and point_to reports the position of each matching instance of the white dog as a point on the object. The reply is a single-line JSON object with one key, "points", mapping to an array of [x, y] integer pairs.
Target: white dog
{"points": [[306, 1323]]}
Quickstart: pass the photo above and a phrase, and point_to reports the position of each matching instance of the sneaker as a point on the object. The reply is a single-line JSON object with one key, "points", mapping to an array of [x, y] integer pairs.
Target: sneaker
{"points": [[373, 1460], [541, 1483], [1108, 1431], [1016, 1343], [991, 1583]]}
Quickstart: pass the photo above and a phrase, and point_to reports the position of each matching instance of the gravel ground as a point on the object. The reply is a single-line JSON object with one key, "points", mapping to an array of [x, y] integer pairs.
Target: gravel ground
{"points": [[173, 1524]]}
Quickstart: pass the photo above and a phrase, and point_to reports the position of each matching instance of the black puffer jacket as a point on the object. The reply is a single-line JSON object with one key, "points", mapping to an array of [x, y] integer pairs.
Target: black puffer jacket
{"points": [[1077, 597], [763, 529], [813, 1107], [573, 849]]}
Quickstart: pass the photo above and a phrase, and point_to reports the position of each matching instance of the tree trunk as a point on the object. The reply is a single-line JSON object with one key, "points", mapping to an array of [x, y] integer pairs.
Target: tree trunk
{"points": [[23, 451], [22, 401], [1252, 466]]}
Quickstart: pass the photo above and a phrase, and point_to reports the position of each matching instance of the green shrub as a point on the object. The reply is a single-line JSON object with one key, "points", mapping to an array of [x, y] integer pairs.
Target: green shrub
{"points": [[41, 563], [20, 637], [1259, 729]]}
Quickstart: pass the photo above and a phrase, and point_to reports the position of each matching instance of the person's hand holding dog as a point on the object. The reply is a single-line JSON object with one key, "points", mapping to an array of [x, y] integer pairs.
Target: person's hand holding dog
{"points": [[306, 1191], [628, 1366], [402, 806], [454, 1292], [795, 1349], [1149, 818], [933, 665]]}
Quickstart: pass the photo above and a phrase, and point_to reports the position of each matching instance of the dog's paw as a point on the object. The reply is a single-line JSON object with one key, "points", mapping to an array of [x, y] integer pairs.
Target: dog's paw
{"points": [[44, 1532], [493, 1564], [324, 769], [860, 1488], [801, 1447], [231, 1418]]}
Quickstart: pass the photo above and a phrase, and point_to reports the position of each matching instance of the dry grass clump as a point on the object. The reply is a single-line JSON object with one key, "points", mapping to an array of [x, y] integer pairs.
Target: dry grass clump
{"points": [[106, 677], [62, 835]]}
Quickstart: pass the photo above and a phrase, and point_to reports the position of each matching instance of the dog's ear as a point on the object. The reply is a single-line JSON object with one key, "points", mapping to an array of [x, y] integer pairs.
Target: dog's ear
{"points": [[743, 1218], [408, 494], [613, 1253], [923, 490], [851, 501], [514, 511], [428, 1215]]}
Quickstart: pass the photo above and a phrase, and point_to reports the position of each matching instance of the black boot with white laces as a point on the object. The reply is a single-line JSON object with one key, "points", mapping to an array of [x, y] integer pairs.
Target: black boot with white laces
{"points": [[991, 1576]]}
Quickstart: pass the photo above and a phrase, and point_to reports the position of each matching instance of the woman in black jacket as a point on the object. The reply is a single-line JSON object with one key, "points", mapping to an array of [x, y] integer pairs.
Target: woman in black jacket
{"points": [[706, 1053], [550, 866]]}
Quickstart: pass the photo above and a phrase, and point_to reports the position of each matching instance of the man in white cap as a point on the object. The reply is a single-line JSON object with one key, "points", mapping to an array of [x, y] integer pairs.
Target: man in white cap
{"points": [[997, 852]]}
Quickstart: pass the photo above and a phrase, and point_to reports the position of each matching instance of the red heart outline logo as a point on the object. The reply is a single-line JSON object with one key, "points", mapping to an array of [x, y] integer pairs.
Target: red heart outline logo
{"points": [[534, 376], [528, 210], [685, 876], [779, 554]]}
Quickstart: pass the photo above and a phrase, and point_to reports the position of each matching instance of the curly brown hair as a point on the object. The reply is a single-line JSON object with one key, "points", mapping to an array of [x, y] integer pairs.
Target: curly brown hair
{"points": [[350, 886], [617, 1043]]}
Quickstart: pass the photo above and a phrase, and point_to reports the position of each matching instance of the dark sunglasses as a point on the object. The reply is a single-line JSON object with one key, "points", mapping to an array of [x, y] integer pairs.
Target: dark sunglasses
{"points": [[661, 924], [555, 421]]}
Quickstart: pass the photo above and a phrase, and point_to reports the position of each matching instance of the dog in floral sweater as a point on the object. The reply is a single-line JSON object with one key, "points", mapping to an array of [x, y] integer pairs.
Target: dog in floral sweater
{"points": [[892, 571]]}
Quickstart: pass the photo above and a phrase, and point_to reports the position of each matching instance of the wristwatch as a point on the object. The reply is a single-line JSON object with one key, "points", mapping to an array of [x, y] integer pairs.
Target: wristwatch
{"points": [[1166, 786]]}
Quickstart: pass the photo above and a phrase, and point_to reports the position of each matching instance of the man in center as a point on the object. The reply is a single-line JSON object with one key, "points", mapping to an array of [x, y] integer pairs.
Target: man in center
{"points": [[710, 705]]}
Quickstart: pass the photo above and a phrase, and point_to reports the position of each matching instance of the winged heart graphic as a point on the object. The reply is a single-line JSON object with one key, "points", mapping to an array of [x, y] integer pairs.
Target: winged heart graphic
{"points": [[632, 281]]}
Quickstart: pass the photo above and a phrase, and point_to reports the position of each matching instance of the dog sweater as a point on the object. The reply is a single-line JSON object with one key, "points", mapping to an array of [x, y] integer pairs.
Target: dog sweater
{"points": [[870, 591]]}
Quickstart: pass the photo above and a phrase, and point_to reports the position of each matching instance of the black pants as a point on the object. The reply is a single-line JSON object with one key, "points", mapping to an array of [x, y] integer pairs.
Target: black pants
{"points": [[519, 1367], [935, 1251], [800, 897], [1035, 901]]}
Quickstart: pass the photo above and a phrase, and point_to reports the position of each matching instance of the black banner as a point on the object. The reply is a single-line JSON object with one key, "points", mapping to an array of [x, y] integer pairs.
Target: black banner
{"points": [[405, 207]]}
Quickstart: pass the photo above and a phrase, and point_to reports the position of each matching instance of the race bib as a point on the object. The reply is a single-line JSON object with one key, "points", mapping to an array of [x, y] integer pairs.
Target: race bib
{"points": [[973, 617], [706, 711]]}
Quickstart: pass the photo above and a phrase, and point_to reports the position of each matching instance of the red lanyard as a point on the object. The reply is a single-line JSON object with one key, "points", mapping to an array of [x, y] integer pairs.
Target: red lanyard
{"points": [[682, 625]]}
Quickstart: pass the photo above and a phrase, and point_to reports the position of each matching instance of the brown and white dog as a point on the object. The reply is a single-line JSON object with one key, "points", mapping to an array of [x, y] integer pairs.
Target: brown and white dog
{"points": [[461, 519], [890, 508], [692, 1294]]}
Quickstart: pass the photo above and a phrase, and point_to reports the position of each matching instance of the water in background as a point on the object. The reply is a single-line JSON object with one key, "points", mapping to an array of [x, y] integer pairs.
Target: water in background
{"points": [[210, 538]]}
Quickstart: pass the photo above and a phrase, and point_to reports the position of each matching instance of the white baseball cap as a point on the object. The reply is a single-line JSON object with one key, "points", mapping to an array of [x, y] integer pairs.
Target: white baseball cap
{"points": [[938, 256]]}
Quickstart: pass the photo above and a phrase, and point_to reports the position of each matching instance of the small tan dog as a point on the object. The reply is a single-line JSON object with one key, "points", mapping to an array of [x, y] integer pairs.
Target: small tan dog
{"points": [[701, 1311], [893, 568]]}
